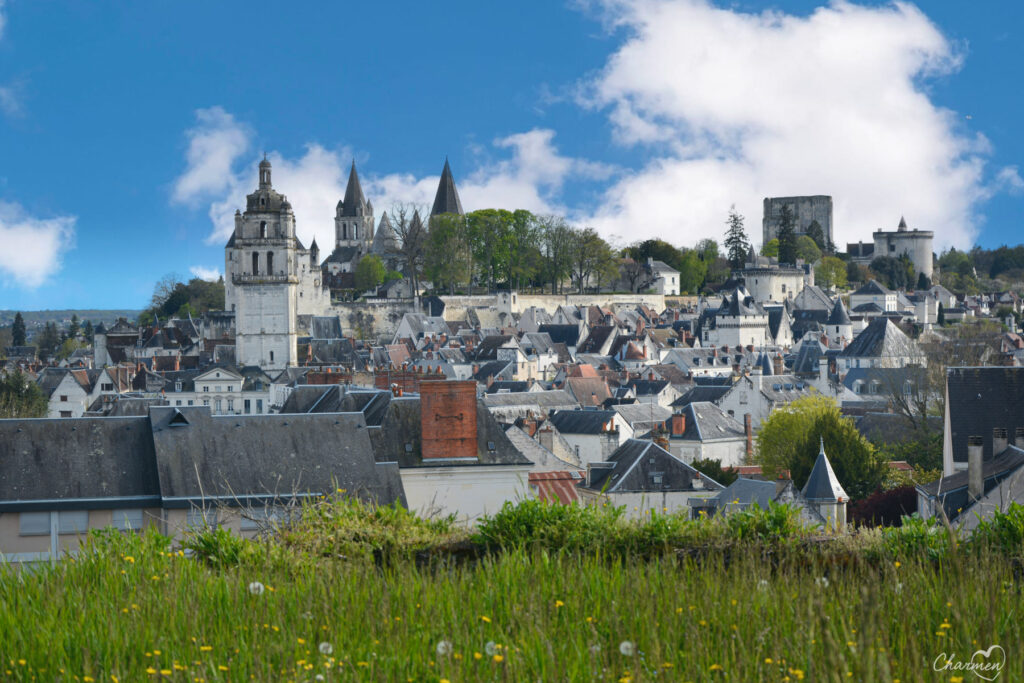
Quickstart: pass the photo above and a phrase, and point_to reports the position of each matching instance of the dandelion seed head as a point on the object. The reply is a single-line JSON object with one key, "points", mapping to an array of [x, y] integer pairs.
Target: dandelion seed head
{"points": [[627, 649], [444, 648], [256, 588], [326, 648]]}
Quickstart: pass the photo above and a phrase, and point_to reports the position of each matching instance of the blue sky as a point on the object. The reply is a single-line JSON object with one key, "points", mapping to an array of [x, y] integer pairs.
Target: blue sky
{"points": [[129, 132]]}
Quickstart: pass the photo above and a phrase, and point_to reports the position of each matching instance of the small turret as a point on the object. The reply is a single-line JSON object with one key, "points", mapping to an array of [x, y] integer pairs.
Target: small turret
{"points": [[265, 174]]}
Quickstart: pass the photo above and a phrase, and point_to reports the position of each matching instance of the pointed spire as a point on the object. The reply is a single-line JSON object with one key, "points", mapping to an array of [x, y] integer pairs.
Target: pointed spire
{"points": [[839, 316], [354, 203], [447, 198], [903, 223], [822, 484]]}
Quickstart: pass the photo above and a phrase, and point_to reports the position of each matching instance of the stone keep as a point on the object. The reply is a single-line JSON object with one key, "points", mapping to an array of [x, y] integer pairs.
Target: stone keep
{"points": [[270, 278], [806, 210]]}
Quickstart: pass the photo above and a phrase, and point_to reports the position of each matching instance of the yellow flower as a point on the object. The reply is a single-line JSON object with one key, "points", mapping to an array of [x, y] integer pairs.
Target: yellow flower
{"points": [[205, 648], [896, 564], [129, 559], [666, 665], [363, 664], [498, 658], [716, 667], [150, 670], [559, 603], [88, 679], [443, 680], [956, 679], [165, 672], [945, 624], [221, 667], [477, 655], [484, 619], [767, 660], [301, 641], [679, 610]]}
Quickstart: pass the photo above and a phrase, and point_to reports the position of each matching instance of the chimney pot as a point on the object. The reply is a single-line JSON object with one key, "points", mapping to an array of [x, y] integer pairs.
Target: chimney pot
{"points": [[999, 441], [975, 476], [748, 431]]}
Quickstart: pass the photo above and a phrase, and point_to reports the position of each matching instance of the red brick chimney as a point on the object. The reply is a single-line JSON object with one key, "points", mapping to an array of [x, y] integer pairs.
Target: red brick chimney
{"points": [[749, 431], [448, 419], [678, 423], [778, 365]]}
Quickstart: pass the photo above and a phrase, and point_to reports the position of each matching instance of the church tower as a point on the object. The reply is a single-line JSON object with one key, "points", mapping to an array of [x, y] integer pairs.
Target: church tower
{"points": [[264, 266], [447, 198], [353, 219]]}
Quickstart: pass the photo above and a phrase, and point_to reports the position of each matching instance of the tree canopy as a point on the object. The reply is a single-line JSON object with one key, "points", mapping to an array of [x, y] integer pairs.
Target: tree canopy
{"points": [[737, 246], [173, 298], [789, 439], [21, 397]]}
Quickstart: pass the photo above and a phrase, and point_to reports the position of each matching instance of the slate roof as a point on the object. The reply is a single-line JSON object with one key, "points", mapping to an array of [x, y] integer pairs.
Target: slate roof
{"points": [[812, 297], [354, 203], [642, 416], [555, 398], [954, 491], [562, 334], [447, 198], [980, 400], [583, 421], [702, 394], [325, 327], [343, 255], [508, 386], [839, 316], [872, 288], [637, 466], [385, 242], [882, 338], [707, 422], [822, 483]]}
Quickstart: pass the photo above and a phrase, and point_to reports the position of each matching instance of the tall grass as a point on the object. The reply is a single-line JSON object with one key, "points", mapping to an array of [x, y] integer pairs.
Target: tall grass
{"points": [[136, 607]]}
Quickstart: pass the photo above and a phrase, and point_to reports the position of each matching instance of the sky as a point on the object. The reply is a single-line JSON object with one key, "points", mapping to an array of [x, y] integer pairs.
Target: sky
{"points": [[130, 132]]}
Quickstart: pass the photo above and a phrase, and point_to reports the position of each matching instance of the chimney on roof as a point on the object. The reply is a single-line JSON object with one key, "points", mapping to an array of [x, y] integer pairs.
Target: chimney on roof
{"points": [[678, 424], [778, 365], [999, 441], [1018, 437], [748, 431], [975, 476]]}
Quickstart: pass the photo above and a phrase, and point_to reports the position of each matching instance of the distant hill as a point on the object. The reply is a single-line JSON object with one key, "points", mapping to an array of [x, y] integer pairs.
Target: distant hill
{"points": [[39, 318]]}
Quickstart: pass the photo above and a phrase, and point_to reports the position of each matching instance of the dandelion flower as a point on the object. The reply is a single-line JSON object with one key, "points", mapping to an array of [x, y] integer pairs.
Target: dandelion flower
{"points": [[477, 656], [498, 659], [822, 581], [319, 677], [444, 648], [326, 648], [559, 603], [716, 667], [490, 648], [256, 588], [129, 559], [627, 649], [896, 564], [485, 619]]}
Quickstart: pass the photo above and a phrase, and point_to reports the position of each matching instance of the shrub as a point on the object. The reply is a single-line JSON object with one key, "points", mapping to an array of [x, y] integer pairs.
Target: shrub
{"points": [[887, 508]]}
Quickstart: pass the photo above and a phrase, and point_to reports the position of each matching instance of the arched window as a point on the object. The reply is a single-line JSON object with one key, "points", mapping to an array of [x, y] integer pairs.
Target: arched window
{"points": [[270, 263], [255, 263], [263, 229], [344, 231]]}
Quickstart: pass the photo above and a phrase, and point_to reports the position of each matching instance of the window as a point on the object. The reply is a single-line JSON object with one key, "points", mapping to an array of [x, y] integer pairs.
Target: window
{"points": [[231, 405], [270, 263], [106, 386], [217, 406], [190, 402], [177, 385], [259, 405], [246, 406], [271, 356], [127, 520], [783, 288], [34, 524], [230, 388], [206, 387], [65, 413], [255, 263], [178, 402], [64, 398], [202, 518], [206, 401], [72, 521], [263, 228]]}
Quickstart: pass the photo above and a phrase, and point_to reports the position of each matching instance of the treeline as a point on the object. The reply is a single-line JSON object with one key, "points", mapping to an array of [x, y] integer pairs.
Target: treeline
{"points": [[53, 341], [175, 299], [500, 249]]}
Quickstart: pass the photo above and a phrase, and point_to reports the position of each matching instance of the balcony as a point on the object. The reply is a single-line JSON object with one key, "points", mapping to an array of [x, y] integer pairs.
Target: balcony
{"points": [[264, 279]]}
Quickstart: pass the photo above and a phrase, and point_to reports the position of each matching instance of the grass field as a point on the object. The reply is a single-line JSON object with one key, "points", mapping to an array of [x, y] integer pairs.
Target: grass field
{"points": [[300, 607]]}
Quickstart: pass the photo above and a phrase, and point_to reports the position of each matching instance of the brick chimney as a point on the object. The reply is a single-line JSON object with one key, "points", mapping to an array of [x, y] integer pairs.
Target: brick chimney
{"points": [[778, 365], [677, 424], [748, 430], [448, 419], [975, 475]]}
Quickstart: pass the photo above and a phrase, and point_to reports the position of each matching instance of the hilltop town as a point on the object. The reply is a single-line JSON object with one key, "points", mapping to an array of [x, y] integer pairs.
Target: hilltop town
{"points": [[452, 362]]}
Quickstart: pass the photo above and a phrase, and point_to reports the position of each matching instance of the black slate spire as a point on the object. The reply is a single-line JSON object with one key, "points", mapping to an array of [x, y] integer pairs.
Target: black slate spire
{"points": [[447, 198]]}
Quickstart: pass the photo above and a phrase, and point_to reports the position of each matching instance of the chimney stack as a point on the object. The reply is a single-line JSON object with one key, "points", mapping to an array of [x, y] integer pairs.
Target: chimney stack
{"points": [[748, 430], [678, 424], [999, 441], [779, 365], [975, 477], [1018, 438]]}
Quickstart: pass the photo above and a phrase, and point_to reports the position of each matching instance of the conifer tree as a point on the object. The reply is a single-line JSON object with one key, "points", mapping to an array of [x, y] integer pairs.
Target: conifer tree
{"points": [[737, 246]]}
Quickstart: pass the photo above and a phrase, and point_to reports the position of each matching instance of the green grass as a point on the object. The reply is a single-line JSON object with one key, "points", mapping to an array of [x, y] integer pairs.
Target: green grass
{"points": [[761, 609]]}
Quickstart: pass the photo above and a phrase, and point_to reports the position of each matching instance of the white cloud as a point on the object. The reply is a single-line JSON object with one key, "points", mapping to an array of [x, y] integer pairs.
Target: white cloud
{"points": [[32, 247], [3, 19], [10, 100], [218, 172], [204, 273], [734, 107]]}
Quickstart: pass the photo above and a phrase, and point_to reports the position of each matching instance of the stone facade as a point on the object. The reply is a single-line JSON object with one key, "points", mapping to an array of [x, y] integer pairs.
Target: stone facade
{"points": [[806, 210], [916, 244]]}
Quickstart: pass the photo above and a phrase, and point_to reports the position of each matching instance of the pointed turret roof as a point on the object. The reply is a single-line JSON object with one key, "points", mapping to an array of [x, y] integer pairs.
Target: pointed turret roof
{"points": [[903, 224], [822, 484], [354, 203], [384, 240], [447, 198], [839, 316]]}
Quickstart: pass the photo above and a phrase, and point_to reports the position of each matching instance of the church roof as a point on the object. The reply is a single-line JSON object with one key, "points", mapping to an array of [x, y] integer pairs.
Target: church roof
{"points": [[447, 198], [354, 203], [384, 240]]}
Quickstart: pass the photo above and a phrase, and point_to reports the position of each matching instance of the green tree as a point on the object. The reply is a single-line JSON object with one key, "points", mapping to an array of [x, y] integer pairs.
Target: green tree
{"points": [[789, 439], [18, 330], [556, 239], [589, 255], [830, 272], [855, 272], [448, 257], [656, 249], [737, 246], [771, 248], [88, 333], [692, 272], [816, 233], [787, 235], [370, 273], [923, 282], [713, 468], [807, 250], [895, 273], [21, 397], [48, 340], [525, 262], [74, 328], [941, 319]]}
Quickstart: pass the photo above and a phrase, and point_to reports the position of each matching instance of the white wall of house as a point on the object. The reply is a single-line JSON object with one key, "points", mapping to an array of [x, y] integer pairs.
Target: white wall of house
{"points": [[467, 492], [731, 452], [69, 399], [639, 504]]}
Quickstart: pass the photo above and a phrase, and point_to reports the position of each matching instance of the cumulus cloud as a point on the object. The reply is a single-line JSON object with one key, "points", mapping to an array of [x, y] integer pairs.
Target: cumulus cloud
{"points": [[32, 247], [204, 273], [528, 173], [3, 19], [734, 107]]}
